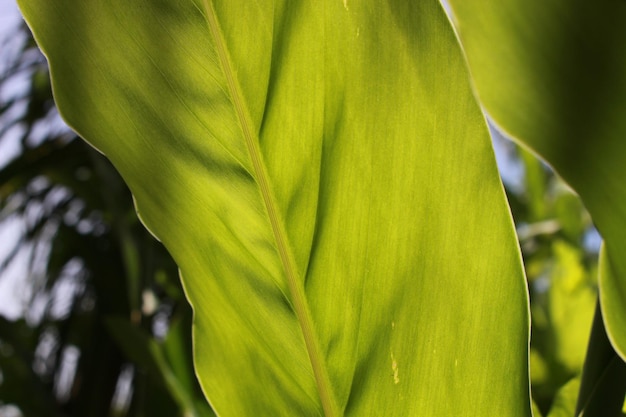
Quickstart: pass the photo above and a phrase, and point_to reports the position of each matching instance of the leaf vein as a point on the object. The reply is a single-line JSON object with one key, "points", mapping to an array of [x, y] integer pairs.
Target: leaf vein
{"points": [[298, 297]]}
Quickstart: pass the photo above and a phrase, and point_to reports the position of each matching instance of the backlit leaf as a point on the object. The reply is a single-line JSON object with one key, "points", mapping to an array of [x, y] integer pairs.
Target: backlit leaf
{"points": [[325, 180], [553, 76]]}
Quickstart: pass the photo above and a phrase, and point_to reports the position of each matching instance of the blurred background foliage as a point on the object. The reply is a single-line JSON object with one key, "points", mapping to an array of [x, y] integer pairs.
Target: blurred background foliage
{"points": [[93, 318], [560, 248]]}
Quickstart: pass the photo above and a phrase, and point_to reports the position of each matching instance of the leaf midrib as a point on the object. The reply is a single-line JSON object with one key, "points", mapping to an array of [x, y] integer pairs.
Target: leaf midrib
{"points": [[298, 297]]}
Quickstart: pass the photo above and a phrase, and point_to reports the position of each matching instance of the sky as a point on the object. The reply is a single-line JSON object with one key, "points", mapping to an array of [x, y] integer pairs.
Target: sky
{"points": [[10, 44], [11, 281]]}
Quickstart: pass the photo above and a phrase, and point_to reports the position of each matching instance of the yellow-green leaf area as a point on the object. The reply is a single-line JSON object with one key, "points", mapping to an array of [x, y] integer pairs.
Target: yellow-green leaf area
{"points": [[324, 179]]}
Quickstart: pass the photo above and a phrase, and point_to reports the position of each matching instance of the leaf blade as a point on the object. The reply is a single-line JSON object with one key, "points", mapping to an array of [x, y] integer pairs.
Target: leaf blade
{"points": [[383, 178], [552, 76]]}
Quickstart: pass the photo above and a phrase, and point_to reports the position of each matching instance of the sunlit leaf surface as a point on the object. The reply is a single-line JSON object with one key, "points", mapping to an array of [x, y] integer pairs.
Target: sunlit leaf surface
{"points": [[325, 181]]}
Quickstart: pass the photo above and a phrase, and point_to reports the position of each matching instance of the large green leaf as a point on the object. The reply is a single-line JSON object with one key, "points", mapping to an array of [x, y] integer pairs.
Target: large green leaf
{"points": [[553, 76], [325, 181]]}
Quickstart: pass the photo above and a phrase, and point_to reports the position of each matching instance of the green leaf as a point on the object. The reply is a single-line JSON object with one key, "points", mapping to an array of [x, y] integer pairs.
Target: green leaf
{"points": [[553, 76], [177, 354], [325, 180], [564, 404], [571, 306], [603, 381], [536, 410]]}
